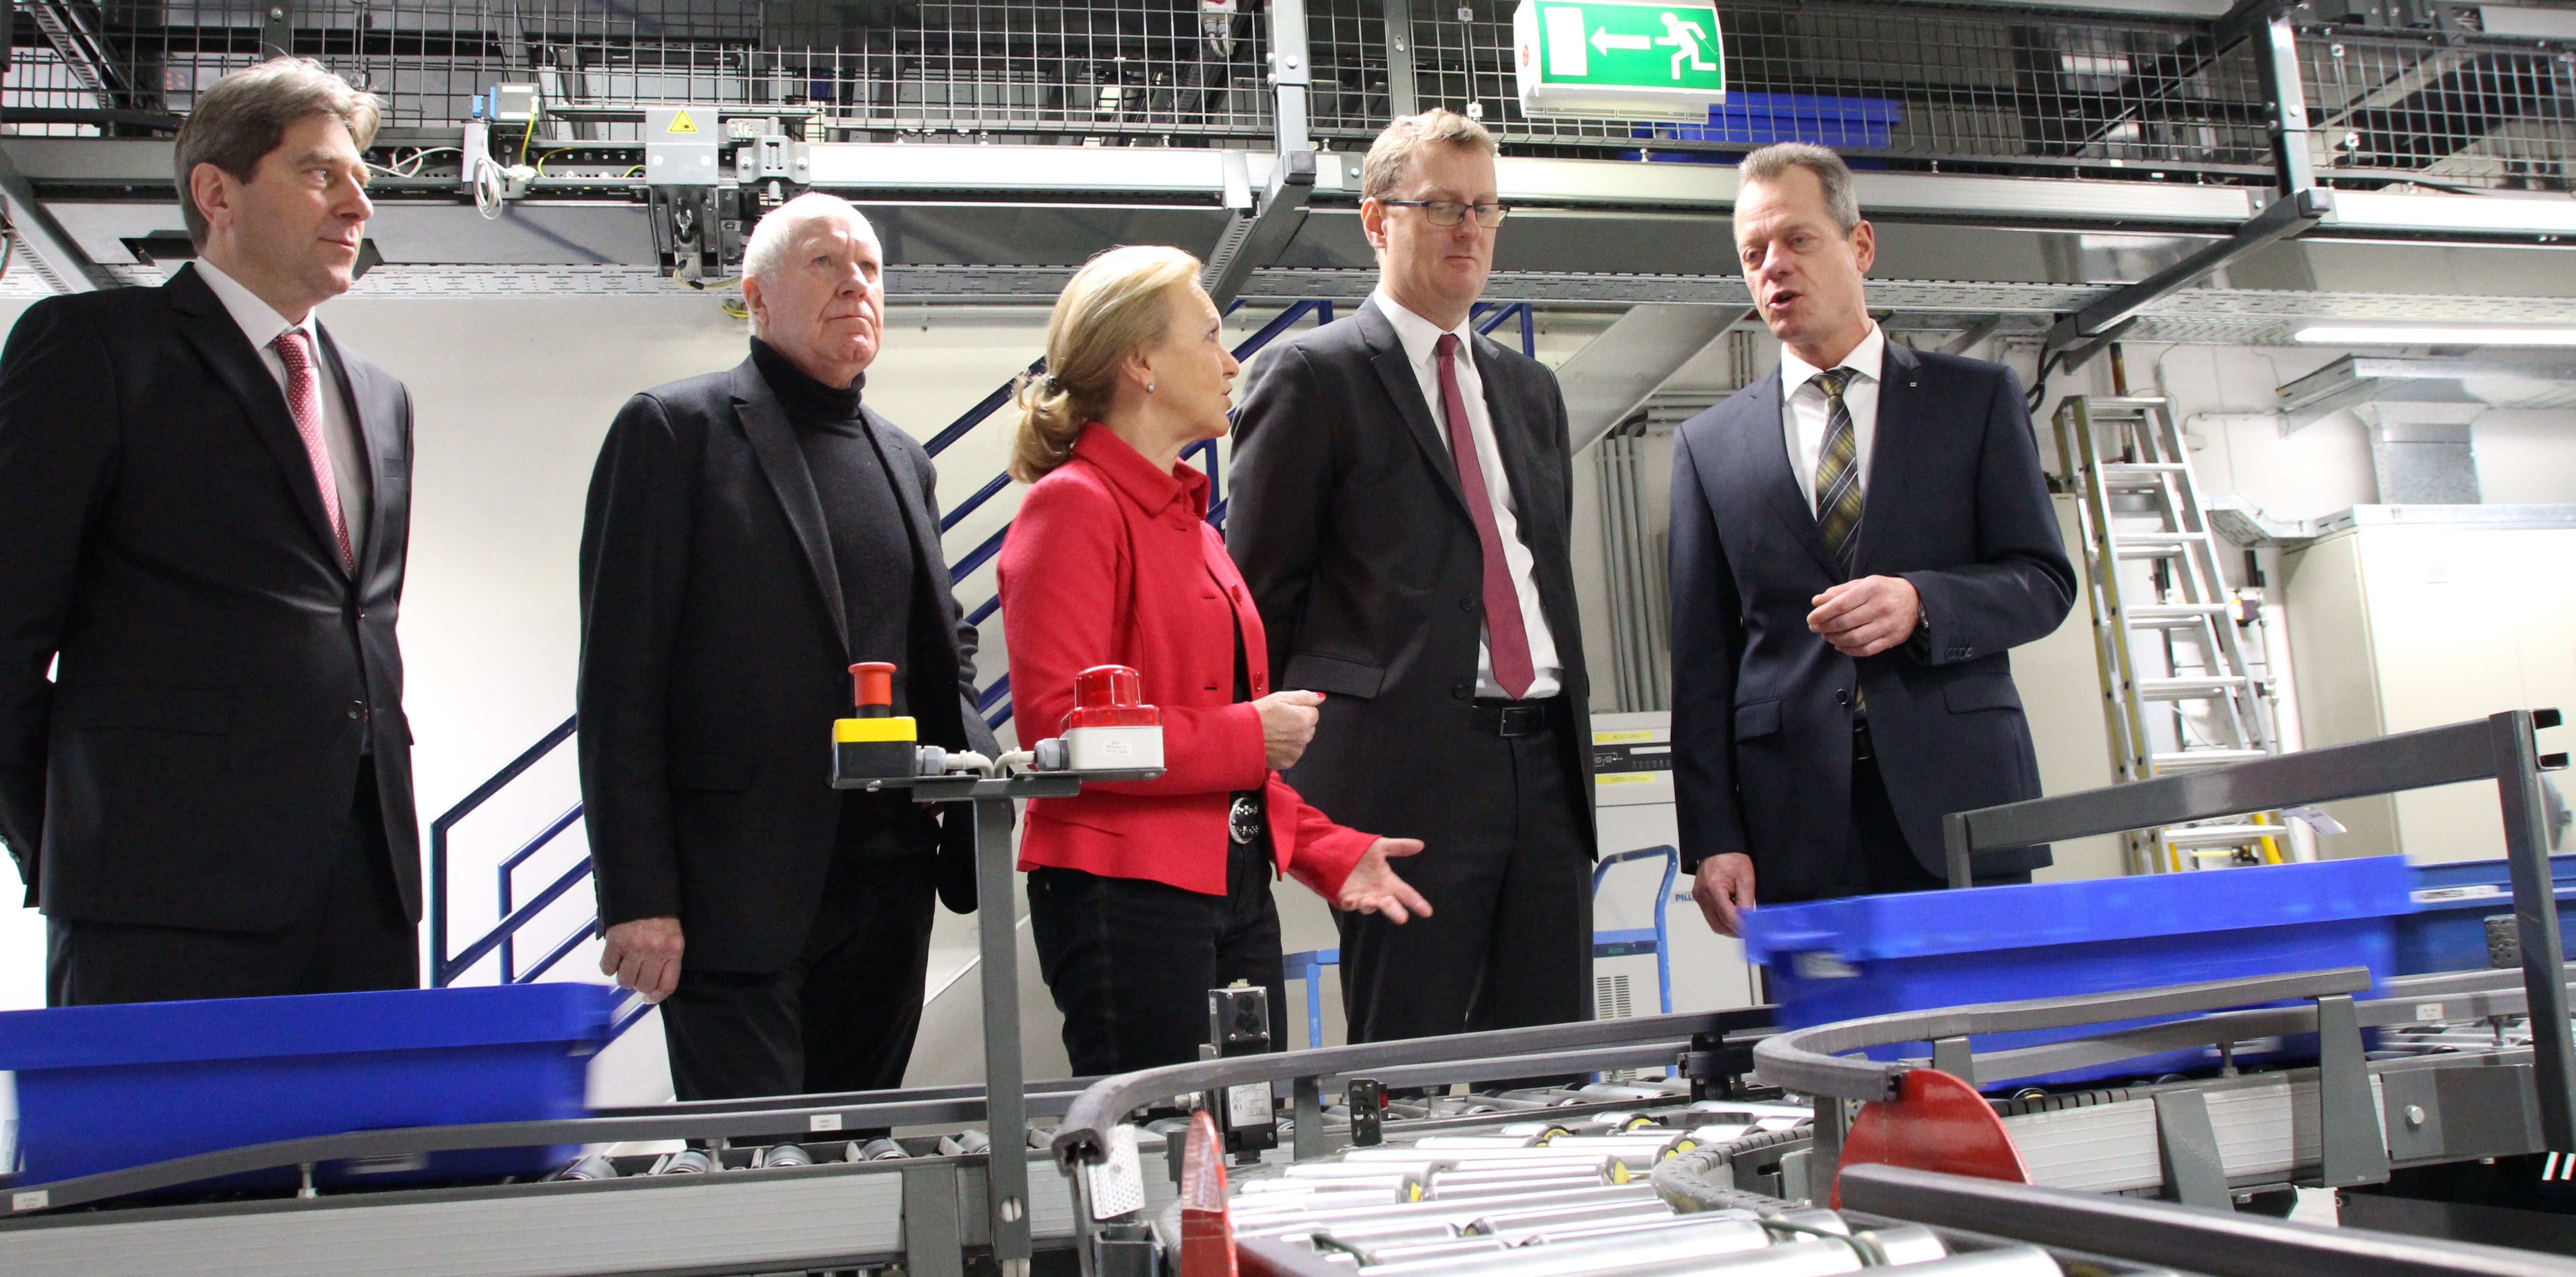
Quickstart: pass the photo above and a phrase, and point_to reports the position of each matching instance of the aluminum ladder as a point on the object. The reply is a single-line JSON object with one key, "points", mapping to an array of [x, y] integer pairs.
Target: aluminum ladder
{"points": [[2177, 694]]}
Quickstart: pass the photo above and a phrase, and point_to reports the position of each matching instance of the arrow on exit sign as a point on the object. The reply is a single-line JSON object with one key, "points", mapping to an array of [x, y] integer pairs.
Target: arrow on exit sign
{"points": [[1619, 57]]}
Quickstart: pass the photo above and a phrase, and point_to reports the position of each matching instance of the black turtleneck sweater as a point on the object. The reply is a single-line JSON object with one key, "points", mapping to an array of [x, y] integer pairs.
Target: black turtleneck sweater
{"points": [[873, 552]]}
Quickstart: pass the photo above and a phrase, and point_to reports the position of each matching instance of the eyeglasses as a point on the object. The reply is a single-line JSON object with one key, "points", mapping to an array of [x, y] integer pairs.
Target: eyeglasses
{"points": [[1448, 213]]}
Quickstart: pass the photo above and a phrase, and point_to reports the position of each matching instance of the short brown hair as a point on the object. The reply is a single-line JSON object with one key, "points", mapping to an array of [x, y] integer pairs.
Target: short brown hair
{"points": [[1773, 162], [1116, 304], [239, 120], [1392, 152]]}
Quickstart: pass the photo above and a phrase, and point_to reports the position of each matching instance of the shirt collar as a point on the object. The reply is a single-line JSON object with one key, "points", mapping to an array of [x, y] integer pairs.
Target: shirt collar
{"points": [[1154, 490], [1421, 337], [1865, 360], [258, 320]]}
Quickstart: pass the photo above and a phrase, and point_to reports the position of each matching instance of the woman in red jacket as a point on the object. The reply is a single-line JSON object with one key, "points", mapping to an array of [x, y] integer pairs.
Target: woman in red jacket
{"points": [[1145, 895]]}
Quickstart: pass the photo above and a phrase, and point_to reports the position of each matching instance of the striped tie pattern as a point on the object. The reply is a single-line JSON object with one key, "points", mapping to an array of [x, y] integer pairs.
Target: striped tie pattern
{"points": [[1838, 471]]}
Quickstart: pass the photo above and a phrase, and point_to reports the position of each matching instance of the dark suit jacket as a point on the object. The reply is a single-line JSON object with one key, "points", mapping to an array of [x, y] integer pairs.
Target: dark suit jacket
{"points": [[220, 673], [1762, 717], [1347, 520], [714, 658]]}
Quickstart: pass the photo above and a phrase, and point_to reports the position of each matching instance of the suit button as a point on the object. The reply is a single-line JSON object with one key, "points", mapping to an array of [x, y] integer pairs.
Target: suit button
{"points": [[1462, 690], [1841, 697], [1469, 603], [357, 710]]}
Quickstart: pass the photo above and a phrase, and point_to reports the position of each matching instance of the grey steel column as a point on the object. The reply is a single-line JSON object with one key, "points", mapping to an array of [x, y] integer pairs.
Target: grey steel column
{"points": [[2276, 59], [1290, 75], [1400, 93], [1006, 1165], [2535, 919]]}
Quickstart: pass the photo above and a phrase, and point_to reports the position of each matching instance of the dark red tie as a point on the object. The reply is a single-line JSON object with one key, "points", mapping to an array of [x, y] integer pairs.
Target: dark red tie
{"points": [[304, 403], [1504, 633]]}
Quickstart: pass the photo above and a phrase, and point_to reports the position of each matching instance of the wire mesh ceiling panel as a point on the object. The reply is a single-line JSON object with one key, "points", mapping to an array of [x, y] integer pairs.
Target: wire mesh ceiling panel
{"points": [[1921, 86], [2445, 112], [1902, 85]]}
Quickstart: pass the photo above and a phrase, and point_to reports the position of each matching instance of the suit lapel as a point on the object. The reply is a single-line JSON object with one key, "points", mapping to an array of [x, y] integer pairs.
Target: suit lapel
{"points": [[1386, 354], [1763, 441], [210, 328], [378, 417], [1900, 411], [773, 442], [1514, 435]]}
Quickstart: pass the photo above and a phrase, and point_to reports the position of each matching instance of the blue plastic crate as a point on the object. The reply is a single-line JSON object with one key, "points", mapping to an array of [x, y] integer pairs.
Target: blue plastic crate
{"points": [[1837, 960], [1760, 119], [2447, 929], [101, 1088]]}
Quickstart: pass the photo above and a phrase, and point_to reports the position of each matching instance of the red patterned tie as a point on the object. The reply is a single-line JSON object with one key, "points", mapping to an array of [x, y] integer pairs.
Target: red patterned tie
{"points": [[304, 400], [1504, 632]]}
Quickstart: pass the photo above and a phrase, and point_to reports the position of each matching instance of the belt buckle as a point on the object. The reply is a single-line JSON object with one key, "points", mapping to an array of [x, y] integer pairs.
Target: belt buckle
{"points": [[1523, 720]]}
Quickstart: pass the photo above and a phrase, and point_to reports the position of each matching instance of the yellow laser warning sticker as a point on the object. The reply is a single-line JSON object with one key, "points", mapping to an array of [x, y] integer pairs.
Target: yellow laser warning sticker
{"points": [[681, 123]]}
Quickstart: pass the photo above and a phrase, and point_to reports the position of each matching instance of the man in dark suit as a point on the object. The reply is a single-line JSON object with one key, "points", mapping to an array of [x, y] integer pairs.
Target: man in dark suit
{"points": [[1856, 541], [204, 503], [751, 535], [1401, 512]]}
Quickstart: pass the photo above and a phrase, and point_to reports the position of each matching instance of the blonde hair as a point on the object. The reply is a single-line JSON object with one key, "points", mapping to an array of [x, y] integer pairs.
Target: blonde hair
{"points": [[1393, 150], [1115, 304]]}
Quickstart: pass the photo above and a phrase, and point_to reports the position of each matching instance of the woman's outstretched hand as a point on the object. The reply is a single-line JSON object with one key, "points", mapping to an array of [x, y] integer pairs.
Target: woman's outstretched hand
{"points": [[1374, 888]]}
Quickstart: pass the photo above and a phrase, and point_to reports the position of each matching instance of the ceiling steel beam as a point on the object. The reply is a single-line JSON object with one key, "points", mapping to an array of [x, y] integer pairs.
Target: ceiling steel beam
{"points": [[2080, 335]]}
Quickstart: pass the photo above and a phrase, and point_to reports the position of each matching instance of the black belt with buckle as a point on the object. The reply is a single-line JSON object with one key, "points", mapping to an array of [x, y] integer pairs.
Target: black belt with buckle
{"points": [[1508, 718]]}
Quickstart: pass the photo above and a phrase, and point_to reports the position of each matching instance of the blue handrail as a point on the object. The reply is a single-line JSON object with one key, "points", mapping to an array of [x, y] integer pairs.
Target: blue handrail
{"points": [[442, 969]]}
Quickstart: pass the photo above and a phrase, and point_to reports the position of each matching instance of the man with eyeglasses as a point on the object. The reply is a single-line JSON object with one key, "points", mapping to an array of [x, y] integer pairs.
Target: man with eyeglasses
{"points": [[1401, 512]]}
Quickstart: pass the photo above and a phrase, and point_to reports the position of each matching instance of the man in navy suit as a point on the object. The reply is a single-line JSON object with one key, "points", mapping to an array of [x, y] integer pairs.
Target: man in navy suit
{"points": [[1856, 542]]}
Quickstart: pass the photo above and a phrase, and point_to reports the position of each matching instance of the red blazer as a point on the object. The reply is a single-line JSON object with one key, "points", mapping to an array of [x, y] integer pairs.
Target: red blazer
{"points": [[1110, 561]]}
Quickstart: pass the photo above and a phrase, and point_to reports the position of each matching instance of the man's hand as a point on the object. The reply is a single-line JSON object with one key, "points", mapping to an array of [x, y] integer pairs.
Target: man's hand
{"points": [[1867, 616], [644, 955], [1287, 724], [1374, 888], [1724, 890]]}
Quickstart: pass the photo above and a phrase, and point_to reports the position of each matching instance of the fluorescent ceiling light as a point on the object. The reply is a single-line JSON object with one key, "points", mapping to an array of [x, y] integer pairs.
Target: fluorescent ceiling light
{"points": [[2347, 335]]}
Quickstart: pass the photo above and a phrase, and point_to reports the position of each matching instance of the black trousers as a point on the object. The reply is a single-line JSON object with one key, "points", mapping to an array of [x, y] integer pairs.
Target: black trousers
{"points": [[841, 1017], [355, 937], [1509, 940], [1130, 961]]}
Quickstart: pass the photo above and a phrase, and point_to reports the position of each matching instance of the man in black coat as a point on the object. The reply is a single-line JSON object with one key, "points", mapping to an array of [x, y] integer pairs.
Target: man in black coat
{"points": [[204, 505], [751, 535], [1856, 541], [1401, 513]]}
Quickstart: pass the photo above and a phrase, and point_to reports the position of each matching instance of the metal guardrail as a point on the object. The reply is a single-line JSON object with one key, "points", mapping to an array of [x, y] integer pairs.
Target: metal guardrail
{"points": [[2503, 748]]}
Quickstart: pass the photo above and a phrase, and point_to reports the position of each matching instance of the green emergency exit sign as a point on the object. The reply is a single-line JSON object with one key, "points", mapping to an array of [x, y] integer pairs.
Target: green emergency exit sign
{"points": [[1616, 57]]}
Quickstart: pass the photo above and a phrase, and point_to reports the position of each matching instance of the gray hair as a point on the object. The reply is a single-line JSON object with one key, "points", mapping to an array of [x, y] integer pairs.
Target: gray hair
{"points": [[1392, 153], [766, 254], [239, 120], [1773, 162]]}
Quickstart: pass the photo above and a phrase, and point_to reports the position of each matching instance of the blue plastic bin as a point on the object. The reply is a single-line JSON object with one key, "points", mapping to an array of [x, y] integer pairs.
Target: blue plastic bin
{"points": [[2447, 930], [1759, 119], [101, 1088], [1840, 960]]}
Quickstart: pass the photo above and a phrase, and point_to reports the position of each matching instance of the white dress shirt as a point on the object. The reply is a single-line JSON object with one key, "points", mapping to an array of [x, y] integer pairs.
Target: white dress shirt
{"points": [[263, 325], [1421, 341], [1804, 412]]}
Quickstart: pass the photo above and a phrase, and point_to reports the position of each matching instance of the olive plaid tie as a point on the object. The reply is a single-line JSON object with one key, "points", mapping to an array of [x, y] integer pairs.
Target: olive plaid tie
{"points": [[1838, 471]]}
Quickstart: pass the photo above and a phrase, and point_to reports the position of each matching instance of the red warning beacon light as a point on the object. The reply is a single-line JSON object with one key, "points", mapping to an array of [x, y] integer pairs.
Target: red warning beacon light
{"points": [[1111, 728]]}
